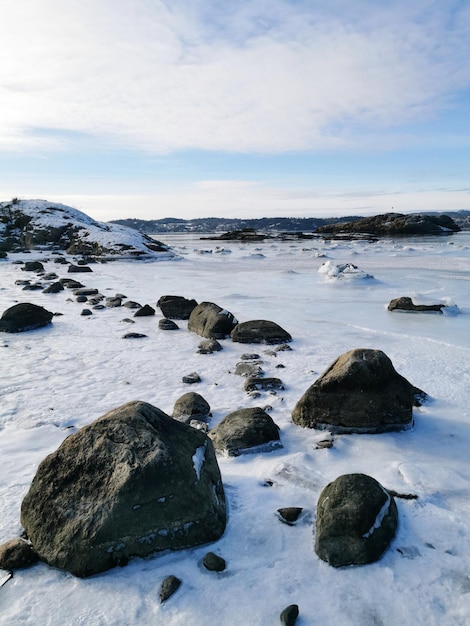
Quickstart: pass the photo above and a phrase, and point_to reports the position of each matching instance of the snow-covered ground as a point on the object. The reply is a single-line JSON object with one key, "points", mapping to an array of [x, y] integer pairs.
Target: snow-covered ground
{"points": [[59, 378]]}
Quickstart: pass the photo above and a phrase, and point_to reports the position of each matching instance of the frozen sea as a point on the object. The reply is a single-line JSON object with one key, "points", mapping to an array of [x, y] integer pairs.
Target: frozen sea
{"points": [[57, 379]]}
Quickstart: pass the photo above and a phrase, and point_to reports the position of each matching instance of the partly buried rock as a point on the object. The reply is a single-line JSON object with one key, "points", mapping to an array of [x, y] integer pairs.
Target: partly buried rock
{"points": [[16, 554], [24, 316], [211, 321], [245, 431], [209, 346], [145, 311], [356, 521], [260, 331], [361, 392], [190, 406], [406, 304], [79, 269], [176, 307], [133, 482]]}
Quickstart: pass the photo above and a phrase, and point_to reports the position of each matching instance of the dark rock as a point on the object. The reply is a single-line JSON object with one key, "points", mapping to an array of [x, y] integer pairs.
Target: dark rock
{"points": [[176, 307], [81, 299], [133, 482], [324, 444], [192, 378], [208, 346], [361, 392], [245, 431], [190, 406], [244, 234], [16, 554], [145, 311], [248, 369], [289, 615], [3, 254], [78, 269], [60, 260], [113, 302], [130, 304], [33, 266], [214, 562], [406, 304], [167, 324], [249, 357], [33, 287], [289, 515], [86, 312], [263, 384], [70, 283], [21, 282], [395, 224], [169, 586], [85, 291], [211, 321], [23, 317], [134, 336], [285, 347], [54, 288], [356, 521], [50, 276], [259, 331]]}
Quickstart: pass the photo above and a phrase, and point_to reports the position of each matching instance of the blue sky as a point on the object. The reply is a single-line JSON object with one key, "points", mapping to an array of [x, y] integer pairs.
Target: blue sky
{"points": [[193, 108]]}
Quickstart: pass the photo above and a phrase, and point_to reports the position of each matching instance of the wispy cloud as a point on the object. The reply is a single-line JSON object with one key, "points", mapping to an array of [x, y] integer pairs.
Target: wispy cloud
{"points": [[246, 77]]}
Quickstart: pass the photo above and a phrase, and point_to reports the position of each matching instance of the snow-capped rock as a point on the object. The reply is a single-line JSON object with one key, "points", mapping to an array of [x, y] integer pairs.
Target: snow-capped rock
{"points": [[27, 224]]}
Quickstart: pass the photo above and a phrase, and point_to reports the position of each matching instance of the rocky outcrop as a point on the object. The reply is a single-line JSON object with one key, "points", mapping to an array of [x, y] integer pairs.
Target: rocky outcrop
{"points": [[28, 224], [395, 224], [133, 482], [406, 304], [176, 307], [356, 521], [23, 317], [246, 430], [211, 321], [260, 331], [361, 392]]}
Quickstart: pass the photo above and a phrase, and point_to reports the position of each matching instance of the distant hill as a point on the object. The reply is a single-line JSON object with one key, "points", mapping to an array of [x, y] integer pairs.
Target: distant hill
{"points": [[221, 224], [266, 224]]}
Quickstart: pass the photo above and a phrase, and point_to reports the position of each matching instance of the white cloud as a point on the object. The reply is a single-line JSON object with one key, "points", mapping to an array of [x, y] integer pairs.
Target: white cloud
{"points": [[246, 76]]}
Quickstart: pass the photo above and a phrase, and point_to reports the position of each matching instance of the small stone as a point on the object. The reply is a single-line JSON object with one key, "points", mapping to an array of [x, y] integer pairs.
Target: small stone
{"points": [[145, 311], [80, 299], [17, 553], [284, 347], [86, 312], [289, 515], [249, 357], [192, 378], [166, 324], [169, 586], [325, 443], [75, 269], [289, 615], [213, 562], [133, 336]]}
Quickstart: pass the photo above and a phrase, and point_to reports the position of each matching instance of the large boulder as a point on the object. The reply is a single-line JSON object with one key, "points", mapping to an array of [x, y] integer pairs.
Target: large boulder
{"points": [[259, 331], [176, 307], [245, 431], [24, 316], [361, 392], [133, 482], [211, 321], [356, 521]]}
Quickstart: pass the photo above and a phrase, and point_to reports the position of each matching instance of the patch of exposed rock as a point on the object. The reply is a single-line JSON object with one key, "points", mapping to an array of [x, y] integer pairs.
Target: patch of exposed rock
{"points": [[245, 431], [23, 317], [260, 331], [211, 321], [361, 392], [133, 482], [406, 304], [356, 521]]}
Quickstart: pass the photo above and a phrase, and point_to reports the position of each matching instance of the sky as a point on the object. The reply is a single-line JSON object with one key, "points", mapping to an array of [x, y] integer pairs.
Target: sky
{"points": [[224, 108]]}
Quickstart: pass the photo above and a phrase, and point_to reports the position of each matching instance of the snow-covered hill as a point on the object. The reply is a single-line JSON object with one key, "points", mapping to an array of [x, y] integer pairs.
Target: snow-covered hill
{"points": [[28, 224]]}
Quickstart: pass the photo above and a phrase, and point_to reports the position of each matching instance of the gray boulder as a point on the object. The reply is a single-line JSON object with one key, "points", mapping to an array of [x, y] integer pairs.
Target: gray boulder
{"points": [[209, 346], [245, 431], [260, 331], [361, 392], [23, 317], [145, 311], [191, 406], [176, 307], [356, 521], [133, 482], [406, 304], [211, 321], [16, 554]]}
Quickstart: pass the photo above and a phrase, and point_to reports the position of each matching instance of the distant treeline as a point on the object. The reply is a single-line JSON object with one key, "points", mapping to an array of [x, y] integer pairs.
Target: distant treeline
{"points": [[278, 224]]}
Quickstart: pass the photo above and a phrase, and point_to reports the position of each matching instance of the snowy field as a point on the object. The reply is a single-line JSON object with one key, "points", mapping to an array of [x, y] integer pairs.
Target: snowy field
{"points": [[57, 379]]}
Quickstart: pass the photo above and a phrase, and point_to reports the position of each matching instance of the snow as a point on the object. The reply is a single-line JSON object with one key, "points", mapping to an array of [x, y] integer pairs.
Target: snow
{"points": [[60, 378]]}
